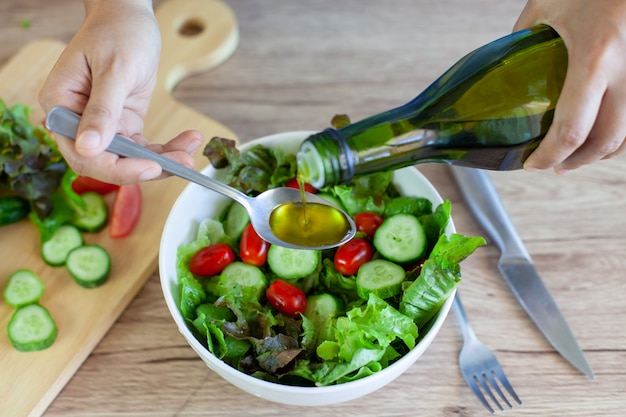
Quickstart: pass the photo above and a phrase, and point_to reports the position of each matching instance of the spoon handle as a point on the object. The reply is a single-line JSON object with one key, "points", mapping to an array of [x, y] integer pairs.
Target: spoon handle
{"points": [[65, 122]]}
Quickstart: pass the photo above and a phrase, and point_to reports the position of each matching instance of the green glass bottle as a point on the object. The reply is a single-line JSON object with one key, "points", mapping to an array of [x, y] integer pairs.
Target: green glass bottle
{"points": [[490, 110]]}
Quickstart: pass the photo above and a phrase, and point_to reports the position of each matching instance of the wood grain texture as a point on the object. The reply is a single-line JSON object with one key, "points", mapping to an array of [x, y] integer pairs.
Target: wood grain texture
{"points": [[298, 64]]}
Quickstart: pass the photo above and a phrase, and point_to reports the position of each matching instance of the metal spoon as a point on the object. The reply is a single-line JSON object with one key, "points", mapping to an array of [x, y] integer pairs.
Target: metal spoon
{"points": [[64, 122]]}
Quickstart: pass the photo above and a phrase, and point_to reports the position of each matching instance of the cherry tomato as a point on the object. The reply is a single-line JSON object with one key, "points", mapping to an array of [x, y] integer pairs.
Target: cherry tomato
{"points": [[126, 210], [83, 184], [415, 267], [352, 255], [286, 298], [211, 260], [293, 183], [368, 222], [253, 249]]}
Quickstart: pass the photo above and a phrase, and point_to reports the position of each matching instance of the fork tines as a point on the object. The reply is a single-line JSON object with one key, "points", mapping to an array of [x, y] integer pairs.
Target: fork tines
{"points": [[485, 382]]}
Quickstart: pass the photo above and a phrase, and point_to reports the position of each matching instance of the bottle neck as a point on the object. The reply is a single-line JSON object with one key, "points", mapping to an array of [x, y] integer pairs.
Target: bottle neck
{"points": [[330, 157], [324, 158]]}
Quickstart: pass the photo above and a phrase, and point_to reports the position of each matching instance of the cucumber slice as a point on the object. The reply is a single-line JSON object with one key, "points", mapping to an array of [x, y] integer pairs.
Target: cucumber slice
{"points": [[23, 287], [95, 215], [400, 238], [236, 220], [290, 263], [241, 274], [212, 229], [381, 277], [32, 328], [55, 250], [89, 265], [321, 309]]}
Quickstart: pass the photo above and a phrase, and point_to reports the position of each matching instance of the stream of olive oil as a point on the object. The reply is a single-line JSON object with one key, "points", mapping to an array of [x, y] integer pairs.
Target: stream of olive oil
{"points": [[308, 224]]}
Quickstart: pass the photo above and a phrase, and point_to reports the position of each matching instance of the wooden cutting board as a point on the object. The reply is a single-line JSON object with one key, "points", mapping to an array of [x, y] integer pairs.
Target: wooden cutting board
{"points": [[197, 35]]}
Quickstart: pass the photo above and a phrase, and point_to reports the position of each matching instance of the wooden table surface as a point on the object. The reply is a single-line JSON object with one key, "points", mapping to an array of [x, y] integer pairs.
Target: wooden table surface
{"points": [[298, 64]]}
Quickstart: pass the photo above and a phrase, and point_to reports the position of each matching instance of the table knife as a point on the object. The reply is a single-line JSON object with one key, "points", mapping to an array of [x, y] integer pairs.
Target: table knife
{"points": [[516, 266]]}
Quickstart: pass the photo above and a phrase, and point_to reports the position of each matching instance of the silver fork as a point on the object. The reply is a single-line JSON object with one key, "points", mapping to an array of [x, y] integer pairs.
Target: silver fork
{"points": [[479, 365]]}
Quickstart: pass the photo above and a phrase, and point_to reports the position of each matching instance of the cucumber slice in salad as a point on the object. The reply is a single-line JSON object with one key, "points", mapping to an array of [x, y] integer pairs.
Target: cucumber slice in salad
{"points": [[290, 263], [32, 328], [236, 220], [381, 277], [89, 265], [401, 238], [241, 274], [321, 309], [23, 287], [56, 249]]}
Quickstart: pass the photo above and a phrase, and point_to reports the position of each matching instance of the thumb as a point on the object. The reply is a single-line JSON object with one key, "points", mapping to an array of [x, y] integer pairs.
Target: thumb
{"points": [[100, 118], [526, 19]]}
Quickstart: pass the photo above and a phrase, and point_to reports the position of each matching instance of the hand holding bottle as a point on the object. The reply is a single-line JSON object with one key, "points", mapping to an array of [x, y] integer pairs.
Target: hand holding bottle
{"points": [[590, 118], [107, 73]]}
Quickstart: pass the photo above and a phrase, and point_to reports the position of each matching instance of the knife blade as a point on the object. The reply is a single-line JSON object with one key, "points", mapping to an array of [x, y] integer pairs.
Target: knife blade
{"points": [[516, 266]]}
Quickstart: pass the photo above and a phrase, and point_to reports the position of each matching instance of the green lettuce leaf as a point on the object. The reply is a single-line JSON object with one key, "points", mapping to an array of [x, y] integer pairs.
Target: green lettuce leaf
{"points": [[440, 275], [32, 167], [363, 337]]}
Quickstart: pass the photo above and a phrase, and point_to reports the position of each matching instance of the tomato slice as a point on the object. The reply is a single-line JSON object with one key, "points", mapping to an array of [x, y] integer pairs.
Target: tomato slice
{"points": [[211, 260], [293, 183], [350, 256], [253, 249], [286, 298], [83, 184], [368, 222], [126, 210]]}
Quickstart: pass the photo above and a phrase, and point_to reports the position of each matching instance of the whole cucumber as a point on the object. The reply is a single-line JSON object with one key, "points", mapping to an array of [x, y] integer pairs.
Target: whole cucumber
{"points": [[13, 209]]}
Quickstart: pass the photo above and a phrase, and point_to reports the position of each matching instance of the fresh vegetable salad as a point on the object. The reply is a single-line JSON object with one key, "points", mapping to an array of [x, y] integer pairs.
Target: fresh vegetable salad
{"points": [[317, 318]]}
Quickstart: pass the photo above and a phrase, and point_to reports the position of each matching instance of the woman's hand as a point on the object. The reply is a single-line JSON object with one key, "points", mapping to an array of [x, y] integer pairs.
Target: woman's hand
{"points": [[590, 118], [107, 73]]}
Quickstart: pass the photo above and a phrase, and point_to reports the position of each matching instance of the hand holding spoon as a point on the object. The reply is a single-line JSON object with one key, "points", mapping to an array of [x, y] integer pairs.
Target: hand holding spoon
{"points": [[329, 230]]}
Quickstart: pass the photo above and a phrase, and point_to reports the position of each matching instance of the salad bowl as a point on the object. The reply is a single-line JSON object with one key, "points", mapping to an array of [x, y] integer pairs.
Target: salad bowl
{"points": [[196, 204]]}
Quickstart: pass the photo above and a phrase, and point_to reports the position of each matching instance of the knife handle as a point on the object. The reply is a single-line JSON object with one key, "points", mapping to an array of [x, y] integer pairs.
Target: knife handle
{"points": [[482, 198]]}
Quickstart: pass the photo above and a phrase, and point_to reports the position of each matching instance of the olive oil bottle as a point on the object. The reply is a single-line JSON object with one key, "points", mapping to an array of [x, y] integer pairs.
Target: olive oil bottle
{"points": [[490, 110]]}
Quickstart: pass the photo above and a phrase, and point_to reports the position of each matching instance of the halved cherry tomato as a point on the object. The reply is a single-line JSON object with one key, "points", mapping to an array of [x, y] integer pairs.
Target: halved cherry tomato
{"points": [[83, 184], [286, 298], [350, 256], [253, 249], [126, 210], [368, 222], [211, 260], [415, 267], [293, 183]]}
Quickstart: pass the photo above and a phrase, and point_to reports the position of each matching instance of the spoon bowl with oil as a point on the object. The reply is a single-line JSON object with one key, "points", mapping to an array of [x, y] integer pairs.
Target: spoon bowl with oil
{"points": [[282, 216]]}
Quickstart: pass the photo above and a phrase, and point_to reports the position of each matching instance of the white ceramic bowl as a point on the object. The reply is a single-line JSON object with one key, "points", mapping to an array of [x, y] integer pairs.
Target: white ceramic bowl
{"points": [[195, 204]]}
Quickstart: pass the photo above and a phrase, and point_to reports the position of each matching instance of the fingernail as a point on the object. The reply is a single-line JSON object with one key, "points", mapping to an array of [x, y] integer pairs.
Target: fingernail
{"points": [[88, 140], [149, 174], [530, 168], [193, 145]]}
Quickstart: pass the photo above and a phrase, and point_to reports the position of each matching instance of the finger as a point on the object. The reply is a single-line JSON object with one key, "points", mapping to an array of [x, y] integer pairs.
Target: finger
{"points": [[574, 117], [180, 149], [187, 141], [107, 166], [526, 19], [607, 136], [65, 86], [100, 118]]}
